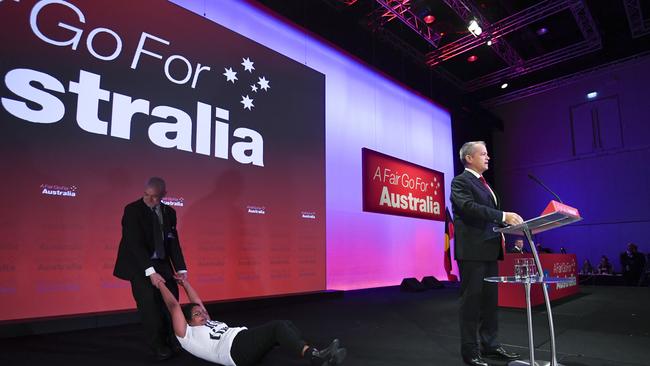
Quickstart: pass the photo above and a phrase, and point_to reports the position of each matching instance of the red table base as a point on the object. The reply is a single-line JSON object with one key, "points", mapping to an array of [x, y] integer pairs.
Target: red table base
{"points": [[554, 265]]}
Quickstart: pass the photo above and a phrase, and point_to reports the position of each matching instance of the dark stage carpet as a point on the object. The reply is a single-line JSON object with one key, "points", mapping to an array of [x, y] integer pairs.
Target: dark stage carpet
{"points": [[604, 326]]}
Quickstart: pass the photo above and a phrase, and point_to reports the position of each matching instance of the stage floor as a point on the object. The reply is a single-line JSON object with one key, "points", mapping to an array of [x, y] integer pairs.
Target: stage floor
{"points": [[603, 326]]}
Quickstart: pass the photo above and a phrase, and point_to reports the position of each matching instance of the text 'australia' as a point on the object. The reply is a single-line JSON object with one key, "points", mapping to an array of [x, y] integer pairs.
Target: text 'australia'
{"points": [[409, 202]]}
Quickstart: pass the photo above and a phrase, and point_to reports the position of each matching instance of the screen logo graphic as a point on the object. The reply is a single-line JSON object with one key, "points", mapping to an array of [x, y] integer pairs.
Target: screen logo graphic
{"points": [[397, 187], [58, 190]]}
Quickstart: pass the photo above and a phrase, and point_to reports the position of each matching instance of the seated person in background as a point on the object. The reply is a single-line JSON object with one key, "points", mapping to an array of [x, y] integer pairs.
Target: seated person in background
{"points": [[216, 342], [518, 247], [604, 267], [632, 264], [587, 268]]}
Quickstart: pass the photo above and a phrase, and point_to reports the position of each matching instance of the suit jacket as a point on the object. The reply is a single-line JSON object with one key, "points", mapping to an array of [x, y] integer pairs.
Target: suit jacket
{"points": [[514, 249], [633, 263], [475, 216], [137, 244]]}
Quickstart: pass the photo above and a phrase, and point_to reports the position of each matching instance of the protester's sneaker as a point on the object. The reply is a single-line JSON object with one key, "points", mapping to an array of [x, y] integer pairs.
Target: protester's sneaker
{"points": [[324, 356]]}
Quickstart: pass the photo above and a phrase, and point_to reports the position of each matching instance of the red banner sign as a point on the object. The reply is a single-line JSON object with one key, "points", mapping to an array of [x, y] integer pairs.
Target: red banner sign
{"points": [[554, 265], [397, 187]]}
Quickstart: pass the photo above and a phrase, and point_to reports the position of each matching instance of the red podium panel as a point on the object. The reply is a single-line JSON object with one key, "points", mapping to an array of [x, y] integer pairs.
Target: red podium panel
{"points": [[554, 265]]}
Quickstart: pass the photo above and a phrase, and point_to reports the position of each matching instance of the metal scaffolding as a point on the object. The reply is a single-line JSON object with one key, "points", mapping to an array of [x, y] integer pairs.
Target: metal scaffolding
{"points": [[566, 80], [466, 11], [495, 32], [638, 26], [400, 9]]}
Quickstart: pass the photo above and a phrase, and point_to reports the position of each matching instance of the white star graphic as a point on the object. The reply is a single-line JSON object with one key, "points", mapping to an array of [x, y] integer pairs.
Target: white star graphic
{"points": [[254, 88], [247, 102], [248, 64], [230, 75], [264, 84]]}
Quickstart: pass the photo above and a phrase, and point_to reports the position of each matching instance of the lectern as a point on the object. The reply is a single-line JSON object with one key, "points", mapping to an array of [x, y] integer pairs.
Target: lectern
{"points": [[555, 215]]}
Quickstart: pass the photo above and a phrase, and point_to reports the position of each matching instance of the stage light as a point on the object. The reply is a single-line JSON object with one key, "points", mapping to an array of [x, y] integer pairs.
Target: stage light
{"points": [[423, 11], [474, 28], [504, 85], [592, 95], [472, 58], [489, 42], [542, 31]]}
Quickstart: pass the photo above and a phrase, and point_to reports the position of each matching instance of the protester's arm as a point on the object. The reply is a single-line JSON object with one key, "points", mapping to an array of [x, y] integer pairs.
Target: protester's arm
{"points": [[191, 294], [178, 319]]}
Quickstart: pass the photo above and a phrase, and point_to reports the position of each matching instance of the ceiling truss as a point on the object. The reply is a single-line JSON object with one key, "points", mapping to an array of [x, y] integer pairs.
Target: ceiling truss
{"points": [[401, 9], [515, 65], [638, 26]]}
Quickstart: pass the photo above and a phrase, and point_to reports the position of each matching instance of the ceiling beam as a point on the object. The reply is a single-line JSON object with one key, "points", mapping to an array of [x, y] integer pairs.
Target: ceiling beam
{"points": [[567, 79], [400, 9], [497, 30], [591, 43], [638, 26], [467, 12]]}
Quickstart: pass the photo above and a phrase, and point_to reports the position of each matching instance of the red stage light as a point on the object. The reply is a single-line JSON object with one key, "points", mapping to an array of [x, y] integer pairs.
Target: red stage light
{"points": [[472, 58], [429, 19]]}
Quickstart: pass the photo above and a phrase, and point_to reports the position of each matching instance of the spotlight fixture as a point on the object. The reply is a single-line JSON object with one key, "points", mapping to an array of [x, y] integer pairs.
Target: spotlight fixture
{"points": [[504, 85], [489, 42], [592, 95], [542, 31], [423, 11], [474, 28], [472, 58]]}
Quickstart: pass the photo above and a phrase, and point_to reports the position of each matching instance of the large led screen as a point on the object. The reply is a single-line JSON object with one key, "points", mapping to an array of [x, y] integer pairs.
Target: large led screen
{"points": [[97, 96]]}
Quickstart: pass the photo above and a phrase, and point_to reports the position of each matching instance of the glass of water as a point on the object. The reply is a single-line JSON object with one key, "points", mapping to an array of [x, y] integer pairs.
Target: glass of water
{"points": [[521, 268], [532, 268]]}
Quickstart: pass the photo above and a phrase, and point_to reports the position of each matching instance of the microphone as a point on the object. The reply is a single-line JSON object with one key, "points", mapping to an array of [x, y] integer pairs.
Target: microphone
{"points": [[531, 176]]}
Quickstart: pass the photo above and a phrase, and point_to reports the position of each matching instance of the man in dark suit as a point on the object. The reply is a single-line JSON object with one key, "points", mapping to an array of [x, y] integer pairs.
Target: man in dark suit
{"points": [[149, 253], [477, 249], [518, 247]]}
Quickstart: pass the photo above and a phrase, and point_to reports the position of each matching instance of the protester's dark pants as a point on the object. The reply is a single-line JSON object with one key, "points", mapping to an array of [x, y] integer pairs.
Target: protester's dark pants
{"points": [[151, 307], [249, 346], [478, 306]]}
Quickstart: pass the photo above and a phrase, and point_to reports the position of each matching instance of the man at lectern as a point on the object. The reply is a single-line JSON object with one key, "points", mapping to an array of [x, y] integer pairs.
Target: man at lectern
{"points": [[149, 253], [477, 248]]}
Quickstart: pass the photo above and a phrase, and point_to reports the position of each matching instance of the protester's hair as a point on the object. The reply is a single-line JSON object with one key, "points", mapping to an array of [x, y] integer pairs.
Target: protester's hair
{"points": [[468, 149], [157, 183], [187, 310]]}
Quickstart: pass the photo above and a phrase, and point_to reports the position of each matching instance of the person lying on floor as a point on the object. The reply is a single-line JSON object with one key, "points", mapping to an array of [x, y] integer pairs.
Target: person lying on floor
{"points": [[216, 342]]}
